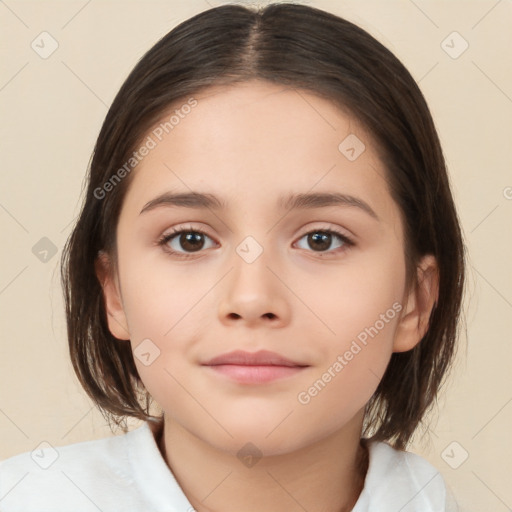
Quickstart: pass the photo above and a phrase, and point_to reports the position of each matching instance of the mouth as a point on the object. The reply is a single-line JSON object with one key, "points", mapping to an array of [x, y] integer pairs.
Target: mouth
{"points": [[254, 367]]}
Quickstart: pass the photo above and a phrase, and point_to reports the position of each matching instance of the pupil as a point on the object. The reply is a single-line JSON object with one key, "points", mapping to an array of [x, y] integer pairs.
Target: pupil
{"points": [[324, 240], [193, 240]]}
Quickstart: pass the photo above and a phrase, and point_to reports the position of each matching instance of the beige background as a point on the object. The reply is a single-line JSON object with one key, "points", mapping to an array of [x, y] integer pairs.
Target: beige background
{"points": [[52, 110]]}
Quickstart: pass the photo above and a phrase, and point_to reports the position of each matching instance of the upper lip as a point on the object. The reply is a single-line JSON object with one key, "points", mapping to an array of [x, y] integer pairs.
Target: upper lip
{"points": [[260, 358]]}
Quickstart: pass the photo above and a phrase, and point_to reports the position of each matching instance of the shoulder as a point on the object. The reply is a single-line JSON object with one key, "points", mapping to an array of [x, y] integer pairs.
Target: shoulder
{"points": [[68, 477], [401, 480]]}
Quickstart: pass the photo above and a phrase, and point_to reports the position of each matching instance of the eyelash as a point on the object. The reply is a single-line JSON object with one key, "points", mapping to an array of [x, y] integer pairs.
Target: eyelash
{"points": [[165, 239]]}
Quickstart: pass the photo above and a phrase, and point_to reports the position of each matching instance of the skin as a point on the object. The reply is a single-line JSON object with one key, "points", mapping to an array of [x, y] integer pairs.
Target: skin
{"points": [[249, 144]]}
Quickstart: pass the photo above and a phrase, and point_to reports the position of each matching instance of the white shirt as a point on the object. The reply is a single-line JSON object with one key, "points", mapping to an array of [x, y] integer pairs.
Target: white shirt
{"points": [[128, 473]]}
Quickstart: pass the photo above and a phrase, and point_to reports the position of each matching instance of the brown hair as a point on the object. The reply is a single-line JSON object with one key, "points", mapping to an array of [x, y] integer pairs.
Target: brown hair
{"points": [[308, 49]]}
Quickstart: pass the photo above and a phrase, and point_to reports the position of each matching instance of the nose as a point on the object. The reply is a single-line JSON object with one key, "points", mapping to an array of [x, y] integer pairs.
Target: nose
{"points": [[254, 295]]}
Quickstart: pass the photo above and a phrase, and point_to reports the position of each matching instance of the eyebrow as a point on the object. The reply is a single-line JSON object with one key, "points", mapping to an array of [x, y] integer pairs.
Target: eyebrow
{"points": [[300, 201]]}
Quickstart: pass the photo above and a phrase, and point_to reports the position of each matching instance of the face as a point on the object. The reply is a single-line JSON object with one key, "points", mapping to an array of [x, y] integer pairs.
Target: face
{"points": [[258, 266]]}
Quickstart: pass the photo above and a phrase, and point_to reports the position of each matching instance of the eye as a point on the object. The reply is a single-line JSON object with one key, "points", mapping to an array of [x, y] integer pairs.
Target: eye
{"points": [[321, 240], [185, 242], [190, 240]]}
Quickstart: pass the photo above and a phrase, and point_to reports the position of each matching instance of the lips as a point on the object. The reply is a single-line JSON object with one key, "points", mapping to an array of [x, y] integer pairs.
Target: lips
{"points": [[261, 358], [253, 367]]}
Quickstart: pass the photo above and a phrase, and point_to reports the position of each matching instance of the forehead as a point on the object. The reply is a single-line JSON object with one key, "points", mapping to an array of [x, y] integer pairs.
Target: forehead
{"points": [[255, 142]]}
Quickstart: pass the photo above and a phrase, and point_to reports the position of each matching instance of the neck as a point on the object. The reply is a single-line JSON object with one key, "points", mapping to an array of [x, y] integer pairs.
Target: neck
{"points": [[327, 476]]}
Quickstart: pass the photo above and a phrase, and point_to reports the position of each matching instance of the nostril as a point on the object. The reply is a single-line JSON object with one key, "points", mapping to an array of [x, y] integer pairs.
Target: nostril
{"points": [[236, 315]]}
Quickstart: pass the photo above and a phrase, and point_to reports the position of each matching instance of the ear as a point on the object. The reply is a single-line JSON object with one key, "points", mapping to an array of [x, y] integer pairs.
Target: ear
{"points": [[420, 300], [111, 293]]}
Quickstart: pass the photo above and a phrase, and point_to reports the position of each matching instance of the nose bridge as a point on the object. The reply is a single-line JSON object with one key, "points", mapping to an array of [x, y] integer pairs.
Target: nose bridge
{"points": [[253, 292], [251, 277]]}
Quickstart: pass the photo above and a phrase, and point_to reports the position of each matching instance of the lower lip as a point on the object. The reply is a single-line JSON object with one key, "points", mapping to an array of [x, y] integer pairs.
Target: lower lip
{"points": [[256, 374]]}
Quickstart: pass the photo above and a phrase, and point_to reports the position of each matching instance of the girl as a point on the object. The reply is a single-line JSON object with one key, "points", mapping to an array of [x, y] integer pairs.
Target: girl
{"points": [[269, 252]]}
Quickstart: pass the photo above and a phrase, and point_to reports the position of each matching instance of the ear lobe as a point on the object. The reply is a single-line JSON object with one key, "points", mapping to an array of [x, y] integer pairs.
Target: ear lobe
{"points": [[114, 307], [413, 323]]}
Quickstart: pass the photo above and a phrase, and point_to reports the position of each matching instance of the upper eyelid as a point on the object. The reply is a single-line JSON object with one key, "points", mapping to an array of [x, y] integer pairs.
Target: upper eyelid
{"points": [[188, 228]]}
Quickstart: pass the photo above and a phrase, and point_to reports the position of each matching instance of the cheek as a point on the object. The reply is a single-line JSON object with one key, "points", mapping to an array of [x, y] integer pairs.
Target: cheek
{"points": [[162, 317], [169, 306], [363, 313], [359, 307], [158, 296], [356, 295]]}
